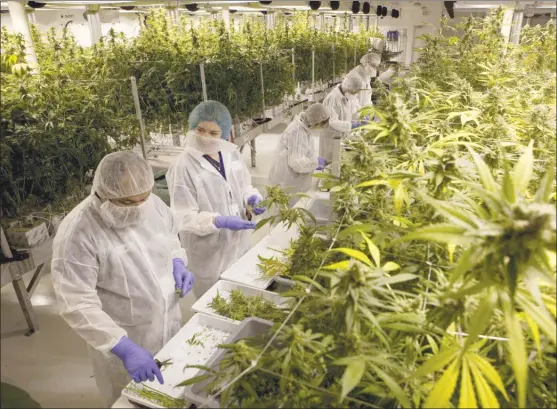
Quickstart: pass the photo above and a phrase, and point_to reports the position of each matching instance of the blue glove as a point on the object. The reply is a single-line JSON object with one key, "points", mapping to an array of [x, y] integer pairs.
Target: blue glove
{"points": [[182, 277], [355, 124], [138, 361], [253, 201], [367, 118], [321, 163], [233, 223]]}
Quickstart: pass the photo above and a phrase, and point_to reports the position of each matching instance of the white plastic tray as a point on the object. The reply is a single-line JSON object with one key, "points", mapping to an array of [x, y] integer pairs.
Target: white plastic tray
{"points": [[245, 270], [224, 288], [210, 330]]}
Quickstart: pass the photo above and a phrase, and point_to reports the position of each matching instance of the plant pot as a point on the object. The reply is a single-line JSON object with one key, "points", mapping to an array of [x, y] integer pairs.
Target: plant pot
{"points": [[27, 237], [250, 327]]}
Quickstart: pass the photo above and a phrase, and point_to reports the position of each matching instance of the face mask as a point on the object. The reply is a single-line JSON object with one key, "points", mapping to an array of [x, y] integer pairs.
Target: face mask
{"points": [[207, 144], [372, 72], [123, 216], [352, 97]]}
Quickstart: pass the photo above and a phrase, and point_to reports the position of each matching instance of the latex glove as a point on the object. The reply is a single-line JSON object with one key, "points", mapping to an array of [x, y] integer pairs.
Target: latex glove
{"points": [[233, 223], [321, 163], [367, 118], [182, 277], [356, 124], [139, 362], [253, 201]]}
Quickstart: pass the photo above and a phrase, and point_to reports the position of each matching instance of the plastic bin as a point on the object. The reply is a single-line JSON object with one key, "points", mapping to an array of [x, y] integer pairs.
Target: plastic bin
{"points": [[249, 327]]}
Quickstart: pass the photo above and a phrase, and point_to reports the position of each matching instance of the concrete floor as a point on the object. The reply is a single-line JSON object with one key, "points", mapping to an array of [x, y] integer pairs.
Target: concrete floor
{"points": [[52, 365]]}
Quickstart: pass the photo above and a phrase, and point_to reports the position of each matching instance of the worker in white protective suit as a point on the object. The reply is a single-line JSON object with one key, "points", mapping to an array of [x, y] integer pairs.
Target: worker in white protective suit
{"points": [[366, 70], [295, 157], [211, 192], [344, 105], [116, 265], [388, 76]]}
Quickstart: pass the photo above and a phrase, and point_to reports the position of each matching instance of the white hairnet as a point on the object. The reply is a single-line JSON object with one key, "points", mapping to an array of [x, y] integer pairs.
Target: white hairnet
{"points": [[352, 83], [371, 59], [317, 113], [122, 174]]}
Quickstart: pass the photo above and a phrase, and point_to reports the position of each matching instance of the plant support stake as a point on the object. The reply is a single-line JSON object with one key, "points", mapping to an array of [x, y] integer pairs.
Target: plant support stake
{"points": [[203, 83], [139, 117], [313, 74]]}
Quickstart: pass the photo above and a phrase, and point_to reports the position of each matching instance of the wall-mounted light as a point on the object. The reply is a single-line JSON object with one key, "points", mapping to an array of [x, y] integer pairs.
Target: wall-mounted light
{"points": [[449, 6], [334, 5], [36, 4], [366, 8], [314, 5], [355, 7]]}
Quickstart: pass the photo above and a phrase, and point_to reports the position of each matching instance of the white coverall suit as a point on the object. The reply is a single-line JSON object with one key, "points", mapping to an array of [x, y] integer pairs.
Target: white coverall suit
{"points": [[199, 193], [343, 112], [115, 282], [364, 96], [295, 159]]}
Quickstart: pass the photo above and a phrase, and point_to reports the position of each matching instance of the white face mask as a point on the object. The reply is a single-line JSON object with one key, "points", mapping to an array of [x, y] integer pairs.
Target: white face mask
{"points": [[372, 72], [123, 216], [351, 97], [207, 144]]}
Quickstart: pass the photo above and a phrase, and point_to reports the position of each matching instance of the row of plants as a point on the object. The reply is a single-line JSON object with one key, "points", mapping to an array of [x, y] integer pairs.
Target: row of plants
{"points": [[60, 120], [434, 286]]}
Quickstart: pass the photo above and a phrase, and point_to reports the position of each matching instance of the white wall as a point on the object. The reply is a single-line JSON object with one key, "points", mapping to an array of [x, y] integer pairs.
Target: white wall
{"points": [[413, 20], [78, 26]]}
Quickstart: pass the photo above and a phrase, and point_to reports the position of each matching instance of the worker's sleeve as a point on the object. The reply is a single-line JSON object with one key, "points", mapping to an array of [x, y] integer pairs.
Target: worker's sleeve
{"points": [[297, 149], [356, 106], [184, 205], [75, 285], [336, 123], [173, 223]]}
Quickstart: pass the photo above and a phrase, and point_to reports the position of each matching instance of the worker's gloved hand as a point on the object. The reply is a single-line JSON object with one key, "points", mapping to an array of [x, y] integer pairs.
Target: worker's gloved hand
{"points": [[139, 362], [321, 163], [366, 118], [182, 277], [253, 201], [233, 223], [356, 124]]}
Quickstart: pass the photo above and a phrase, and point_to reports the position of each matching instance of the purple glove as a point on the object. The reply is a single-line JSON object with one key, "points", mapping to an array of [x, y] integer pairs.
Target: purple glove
{"points": [[321, 163], [356, 124], [233, 223], [138, 361], [253, 201], [182, 277]]}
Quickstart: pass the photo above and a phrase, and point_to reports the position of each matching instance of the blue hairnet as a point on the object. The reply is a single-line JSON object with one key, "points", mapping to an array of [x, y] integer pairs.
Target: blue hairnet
{"points": [[212, 111]]}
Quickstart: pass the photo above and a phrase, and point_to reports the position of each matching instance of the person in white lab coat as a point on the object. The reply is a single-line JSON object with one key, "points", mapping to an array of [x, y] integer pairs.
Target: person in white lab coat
{"points": [[344, 104], [295, 158], [116, 264], [366, 70], [211, 193]]}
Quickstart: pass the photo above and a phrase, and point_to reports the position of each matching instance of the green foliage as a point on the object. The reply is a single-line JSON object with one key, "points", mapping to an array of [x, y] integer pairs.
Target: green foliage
{"points": [[58, 122], [435, 285], [240, 306]]}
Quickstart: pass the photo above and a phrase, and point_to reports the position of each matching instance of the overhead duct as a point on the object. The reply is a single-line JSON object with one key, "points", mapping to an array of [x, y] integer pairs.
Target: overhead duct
{"points": [[334, 5], [314, 5], [449, 6]]}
